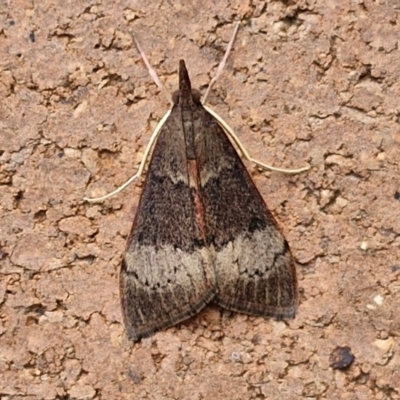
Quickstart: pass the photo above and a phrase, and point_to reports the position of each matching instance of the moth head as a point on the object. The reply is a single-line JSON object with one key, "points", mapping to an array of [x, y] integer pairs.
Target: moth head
{"points": [[185, 95], [195, 95]]}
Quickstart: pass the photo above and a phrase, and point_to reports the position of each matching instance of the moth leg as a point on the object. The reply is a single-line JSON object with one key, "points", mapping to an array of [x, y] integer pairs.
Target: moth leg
{"points": [[147, 152], [228, 130]]}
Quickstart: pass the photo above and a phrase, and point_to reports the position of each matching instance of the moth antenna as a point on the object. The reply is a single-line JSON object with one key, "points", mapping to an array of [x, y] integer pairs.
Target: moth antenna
{"points": [[228, 130], [154, 135], [151, 70], [222, 63]]}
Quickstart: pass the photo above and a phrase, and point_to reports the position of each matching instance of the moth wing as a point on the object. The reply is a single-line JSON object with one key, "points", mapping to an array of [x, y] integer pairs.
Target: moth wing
{"points": [[254, 268], [166, 275]]}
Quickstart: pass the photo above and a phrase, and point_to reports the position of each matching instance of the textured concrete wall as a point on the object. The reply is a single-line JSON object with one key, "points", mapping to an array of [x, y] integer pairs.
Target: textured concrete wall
{"points": [[307, 82]]}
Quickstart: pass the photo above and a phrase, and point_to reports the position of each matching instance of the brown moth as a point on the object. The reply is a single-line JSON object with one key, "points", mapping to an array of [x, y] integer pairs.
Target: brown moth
{"points": [[202, 231]]}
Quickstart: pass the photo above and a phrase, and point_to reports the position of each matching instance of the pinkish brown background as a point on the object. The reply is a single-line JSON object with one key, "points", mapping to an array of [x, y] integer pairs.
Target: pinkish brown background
{"points": [[313, 82]]}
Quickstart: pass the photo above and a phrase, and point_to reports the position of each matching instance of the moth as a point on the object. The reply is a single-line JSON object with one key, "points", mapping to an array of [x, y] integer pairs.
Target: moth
{"points": [[202, 232]]}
